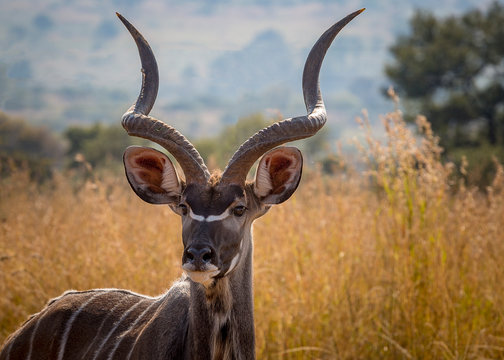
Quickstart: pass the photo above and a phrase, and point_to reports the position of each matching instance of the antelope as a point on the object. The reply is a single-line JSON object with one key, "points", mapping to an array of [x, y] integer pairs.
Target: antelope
{"points": [[207, 313]]}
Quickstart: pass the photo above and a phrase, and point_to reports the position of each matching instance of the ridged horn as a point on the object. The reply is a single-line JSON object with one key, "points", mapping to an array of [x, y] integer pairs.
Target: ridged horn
{"points": [[137, 122], [294, 128]]}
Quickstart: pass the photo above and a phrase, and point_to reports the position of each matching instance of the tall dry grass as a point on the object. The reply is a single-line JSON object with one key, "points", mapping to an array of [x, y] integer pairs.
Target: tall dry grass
{"points": [[401, 261]]}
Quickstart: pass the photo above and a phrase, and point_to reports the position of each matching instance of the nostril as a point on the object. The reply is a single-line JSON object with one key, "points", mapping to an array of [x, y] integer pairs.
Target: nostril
{"points": [[207, 256], [194, 254]]}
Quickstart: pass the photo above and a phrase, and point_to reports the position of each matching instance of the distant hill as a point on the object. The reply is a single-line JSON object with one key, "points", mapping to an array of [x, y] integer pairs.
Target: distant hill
{"points": [[71, 62]]}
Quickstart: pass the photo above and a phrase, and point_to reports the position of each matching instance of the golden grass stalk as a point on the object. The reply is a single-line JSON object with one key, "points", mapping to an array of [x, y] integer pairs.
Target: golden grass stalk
{"points": [[400, 261]]}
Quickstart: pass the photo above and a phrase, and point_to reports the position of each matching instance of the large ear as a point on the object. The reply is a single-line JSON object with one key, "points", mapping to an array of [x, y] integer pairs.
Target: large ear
{"points": [[152, 175], [278, 175]]}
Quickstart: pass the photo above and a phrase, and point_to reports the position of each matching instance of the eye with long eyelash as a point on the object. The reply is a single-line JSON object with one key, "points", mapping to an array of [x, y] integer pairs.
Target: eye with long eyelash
{"points": [[183, 209], [239, 210]]}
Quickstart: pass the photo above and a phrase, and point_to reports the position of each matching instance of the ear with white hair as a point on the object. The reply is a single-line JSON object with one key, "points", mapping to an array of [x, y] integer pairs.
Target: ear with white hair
{"points": [[278, 175], [152, 175]]}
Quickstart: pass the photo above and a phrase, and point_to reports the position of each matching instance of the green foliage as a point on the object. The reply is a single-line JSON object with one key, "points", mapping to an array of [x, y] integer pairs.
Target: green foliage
{"points": [[98, 145], [316, 147], [217, 151], [451, 70], [22, 145], [481, 163]]}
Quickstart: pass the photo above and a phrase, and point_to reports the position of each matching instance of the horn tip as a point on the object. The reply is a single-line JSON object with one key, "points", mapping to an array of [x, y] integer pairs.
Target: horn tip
{"points": [[126, 23], [355, 13]]}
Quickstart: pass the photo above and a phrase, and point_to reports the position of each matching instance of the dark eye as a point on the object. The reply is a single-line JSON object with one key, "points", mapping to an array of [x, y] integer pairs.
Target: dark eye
{"points": [[239, 210], [183, 209]]}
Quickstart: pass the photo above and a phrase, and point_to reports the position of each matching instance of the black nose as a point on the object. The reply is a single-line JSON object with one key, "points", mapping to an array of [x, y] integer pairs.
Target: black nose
{"points": [[199, 256]]}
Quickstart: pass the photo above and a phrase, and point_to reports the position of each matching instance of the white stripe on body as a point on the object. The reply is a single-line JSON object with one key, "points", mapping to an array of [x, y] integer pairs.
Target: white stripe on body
{"points": [[8, 349], [69, 325], [121, 337], [32, 337], [132, 327], [102, 324], [155, 315], [117, 323]]}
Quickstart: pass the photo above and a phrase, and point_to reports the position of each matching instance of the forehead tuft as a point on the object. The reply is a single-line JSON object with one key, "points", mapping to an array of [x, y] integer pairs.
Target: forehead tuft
{"points": [[212, 200]]}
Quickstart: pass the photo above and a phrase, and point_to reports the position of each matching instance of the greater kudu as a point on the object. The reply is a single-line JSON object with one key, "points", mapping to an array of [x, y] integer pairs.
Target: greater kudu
{"points": [[208, 313]]}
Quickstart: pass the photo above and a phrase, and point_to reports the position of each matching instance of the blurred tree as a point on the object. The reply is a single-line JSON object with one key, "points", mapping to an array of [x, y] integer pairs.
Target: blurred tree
{"points": [[317, 146], [218, 150], [23, 145], [77, 136], [99, 145], [452, 70]]}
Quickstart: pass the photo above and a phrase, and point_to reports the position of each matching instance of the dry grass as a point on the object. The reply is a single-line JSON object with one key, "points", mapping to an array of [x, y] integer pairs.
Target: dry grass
{"points": [[398, 262]]}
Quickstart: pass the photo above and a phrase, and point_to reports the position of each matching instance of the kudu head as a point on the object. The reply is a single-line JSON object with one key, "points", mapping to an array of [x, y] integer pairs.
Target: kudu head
{"points": [[217, 211]]}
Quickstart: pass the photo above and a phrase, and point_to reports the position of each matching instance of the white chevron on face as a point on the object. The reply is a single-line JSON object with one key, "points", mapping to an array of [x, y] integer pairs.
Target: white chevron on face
{"points": [[209, 218]]}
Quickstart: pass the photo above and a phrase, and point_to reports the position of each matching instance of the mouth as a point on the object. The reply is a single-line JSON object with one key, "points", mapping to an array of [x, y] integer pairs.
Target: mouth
{"points": [[203, 276]]}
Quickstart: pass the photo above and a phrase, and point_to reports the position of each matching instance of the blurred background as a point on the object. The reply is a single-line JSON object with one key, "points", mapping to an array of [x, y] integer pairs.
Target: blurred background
{"points": [[69, 69]]}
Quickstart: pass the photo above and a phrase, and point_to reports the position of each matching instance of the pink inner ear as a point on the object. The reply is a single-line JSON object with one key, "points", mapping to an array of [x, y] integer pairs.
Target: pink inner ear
{"points": [[149, 170], [151, 163], [280, 172]]}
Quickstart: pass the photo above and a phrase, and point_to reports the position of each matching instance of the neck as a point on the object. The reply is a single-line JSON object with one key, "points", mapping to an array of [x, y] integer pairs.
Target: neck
{"points": [[221, 317]]}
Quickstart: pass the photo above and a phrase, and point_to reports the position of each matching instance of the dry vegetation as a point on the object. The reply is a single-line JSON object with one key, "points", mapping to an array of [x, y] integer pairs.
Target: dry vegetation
{"points": [[401, 261]]}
